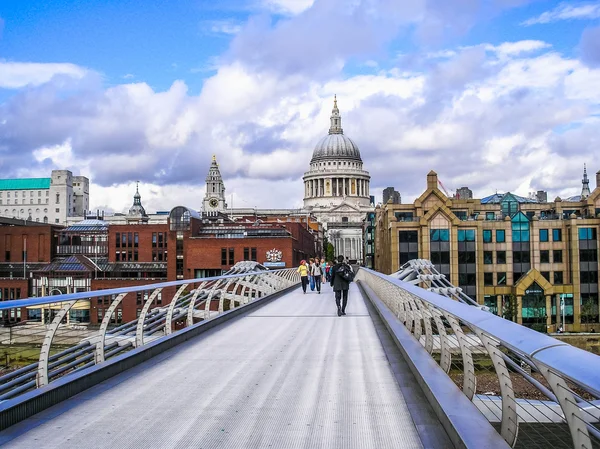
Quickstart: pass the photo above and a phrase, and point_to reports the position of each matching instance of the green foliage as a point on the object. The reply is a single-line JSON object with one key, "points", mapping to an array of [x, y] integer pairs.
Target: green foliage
{"points": [[510, 307]]}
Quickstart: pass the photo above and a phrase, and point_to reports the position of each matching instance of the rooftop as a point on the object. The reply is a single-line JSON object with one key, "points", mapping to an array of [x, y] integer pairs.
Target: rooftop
{"points": [[25, 184]]}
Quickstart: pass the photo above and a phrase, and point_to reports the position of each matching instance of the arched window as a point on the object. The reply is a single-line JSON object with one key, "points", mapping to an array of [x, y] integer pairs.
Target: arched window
{"points": [[45, 219]]}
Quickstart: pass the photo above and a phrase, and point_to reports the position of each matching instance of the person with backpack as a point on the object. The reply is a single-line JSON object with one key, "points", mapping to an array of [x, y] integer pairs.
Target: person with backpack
{"points": [[341, 276]]}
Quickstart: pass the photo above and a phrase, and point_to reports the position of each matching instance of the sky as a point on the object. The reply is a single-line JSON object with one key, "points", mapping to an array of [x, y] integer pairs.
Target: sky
{"points": [[496, 95]]}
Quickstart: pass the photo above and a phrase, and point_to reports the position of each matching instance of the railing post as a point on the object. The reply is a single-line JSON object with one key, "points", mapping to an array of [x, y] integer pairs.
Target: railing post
{"points": [[99, 354], [169, 319], [470, 381], [139, 333], [568, 404], [510, 424], [42, 372]]}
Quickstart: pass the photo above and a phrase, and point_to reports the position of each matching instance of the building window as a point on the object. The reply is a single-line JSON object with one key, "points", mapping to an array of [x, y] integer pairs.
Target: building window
{"points": [[501, 278], [488, 257], [543, 235], [488, 278], [487, 236], [557, 256], [500, 236], [490, 216], [253, 254], [231, 256], [500, 257], [546, 275], [409, 246], [516, 276], [558, 278], [246, 253], [118, 256], [160, 240], [557, 235], [123, 240], [545, 256], [154, 240], [440, 235], [57, 210], [118, 240], [587, 234], [136, 240], [223, 256], [100, 314], [466, 235], [58, 198]]}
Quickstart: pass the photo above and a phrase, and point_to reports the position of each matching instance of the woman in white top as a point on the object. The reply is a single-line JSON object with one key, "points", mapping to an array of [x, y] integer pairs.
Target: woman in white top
{"points": [[316, 272]]}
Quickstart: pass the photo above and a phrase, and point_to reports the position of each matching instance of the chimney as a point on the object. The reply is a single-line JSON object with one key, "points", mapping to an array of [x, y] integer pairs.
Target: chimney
{"points": [[598, 179]]}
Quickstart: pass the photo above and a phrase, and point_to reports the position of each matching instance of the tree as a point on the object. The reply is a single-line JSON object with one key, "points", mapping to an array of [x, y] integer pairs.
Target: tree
{"points": [[510, 307], [328, 250]]}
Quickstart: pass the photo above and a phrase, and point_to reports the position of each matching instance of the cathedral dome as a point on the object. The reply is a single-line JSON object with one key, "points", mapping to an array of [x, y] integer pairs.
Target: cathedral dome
{"points": [[336, 145]]}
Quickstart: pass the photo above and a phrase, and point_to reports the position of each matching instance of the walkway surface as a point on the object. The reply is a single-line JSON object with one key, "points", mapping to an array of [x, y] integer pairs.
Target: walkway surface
{"points": [[291, 374]]}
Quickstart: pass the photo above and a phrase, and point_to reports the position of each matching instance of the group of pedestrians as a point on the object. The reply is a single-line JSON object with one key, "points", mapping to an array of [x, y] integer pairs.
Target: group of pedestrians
{"points": [[339, 277]]}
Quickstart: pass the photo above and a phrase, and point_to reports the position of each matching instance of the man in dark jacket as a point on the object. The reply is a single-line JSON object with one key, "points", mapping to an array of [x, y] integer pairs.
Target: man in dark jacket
{"points": [[340, 285]]}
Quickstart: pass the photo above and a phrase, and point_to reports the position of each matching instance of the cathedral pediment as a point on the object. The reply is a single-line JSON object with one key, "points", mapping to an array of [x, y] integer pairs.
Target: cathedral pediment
{"points": [[345, 207]]}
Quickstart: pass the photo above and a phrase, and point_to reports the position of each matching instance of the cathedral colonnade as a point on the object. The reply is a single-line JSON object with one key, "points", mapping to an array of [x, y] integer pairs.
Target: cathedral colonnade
{"points": [[336, 187]]}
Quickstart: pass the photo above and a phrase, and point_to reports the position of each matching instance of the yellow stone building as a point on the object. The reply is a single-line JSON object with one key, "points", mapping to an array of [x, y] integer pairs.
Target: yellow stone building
{"points": [[523, 258]]}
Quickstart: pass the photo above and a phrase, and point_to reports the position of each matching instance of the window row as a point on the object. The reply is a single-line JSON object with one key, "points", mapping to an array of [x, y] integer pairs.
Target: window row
{"points": [[127, 240], [159, 240], [556, 235], [227, 256]]}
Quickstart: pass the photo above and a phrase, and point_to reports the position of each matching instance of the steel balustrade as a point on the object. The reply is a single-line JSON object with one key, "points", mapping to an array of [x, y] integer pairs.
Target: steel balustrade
{"points": [[244, 283], [568, 371]]}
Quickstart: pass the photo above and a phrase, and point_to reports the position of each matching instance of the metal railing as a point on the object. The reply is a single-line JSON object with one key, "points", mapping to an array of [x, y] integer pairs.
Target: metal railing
{"points": [[517, 377], [37, 353]]}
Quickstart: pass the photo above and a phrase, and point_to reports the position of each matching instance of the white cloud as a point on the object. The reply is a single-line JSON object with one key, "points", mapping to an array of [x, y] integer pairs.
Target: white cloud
{"points": [[288, 7], [478, 119], [226, 26], [517, 48], [14, 75], [567, 11]]}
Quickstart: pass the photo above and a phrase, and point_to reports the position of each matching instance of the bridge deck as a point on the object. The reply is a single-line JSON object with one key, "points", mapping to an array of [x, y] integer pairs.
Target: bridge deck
{"points": [[290, 374]]}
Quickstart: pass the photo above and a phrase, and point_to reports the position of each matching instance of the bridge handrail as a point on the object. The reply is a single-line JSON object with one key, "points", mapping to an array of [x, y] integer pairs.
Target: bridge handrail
{"points": [[559, 364], [82, 346], [42, 300], [579, 366]]}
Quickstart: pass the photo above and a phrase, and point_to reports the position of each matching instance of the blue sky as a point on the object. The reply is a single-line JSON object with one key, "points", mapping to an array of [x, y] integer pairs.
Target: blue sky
{"points": [[158, 87]]}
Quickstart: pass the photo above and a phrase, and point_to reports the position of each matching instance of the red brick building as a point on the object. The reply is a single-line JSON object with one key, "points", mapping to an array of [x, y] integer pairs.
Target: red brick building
{"points": [[95, 255]]}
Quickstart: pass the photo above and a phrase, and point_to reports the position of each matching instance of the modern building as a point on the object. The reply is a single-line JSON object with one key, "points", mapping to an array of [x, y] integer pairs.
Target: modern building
{"points": [[464, 193], [336, 189], [391, 194], [505, 251], [45, 200]]}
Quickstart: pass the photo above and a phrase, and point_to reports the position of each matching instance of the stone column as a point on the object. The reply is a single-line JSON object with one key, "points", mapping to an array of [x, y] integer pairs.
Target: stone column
{"points": [[520, 309], [549, 312]]}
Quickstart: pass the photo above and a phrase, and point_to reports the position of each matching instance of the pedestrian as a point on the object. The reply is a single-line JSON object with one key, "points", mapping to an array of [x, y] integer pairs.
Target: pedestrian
{"points": [[315, 271], [341, 276], [303, 270], [311, 279], [328, 272]]}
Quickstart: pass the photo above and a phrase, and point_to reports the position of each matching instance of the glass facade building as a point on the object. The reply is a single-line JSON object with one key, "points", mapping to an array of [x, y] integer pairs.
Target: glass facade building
{"points": [[534, 262]]}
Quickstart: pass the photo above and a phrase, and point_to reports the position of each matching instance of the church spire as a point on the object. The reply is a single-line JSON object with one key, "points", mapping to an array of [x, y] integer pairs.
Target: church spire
{"points": [[585, 184], [336, 120], [137, 209]]}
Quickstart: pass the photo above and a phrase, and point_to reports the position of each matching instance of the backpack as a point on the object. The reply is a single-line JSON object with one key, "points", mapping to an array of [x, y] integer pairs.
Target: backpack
{"points": [[346, 273]]}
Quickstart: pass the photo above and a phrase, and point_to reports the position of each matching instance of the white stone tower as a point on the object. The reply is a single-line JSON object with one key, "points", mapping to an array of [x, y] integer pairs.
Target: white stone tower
{"points": [[214, 198]]}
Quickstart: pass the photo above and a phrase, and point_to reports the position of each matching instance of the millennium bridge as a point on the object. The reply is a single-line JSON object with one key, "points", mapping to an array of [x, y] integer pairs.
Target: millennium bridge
{"points": [[246, 360]]}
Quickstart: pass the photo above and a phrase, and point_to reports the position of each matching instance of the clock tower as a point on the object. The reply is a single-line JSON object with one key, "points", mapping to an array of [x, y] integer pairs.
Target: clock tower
{"points": [[214, 199]]}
